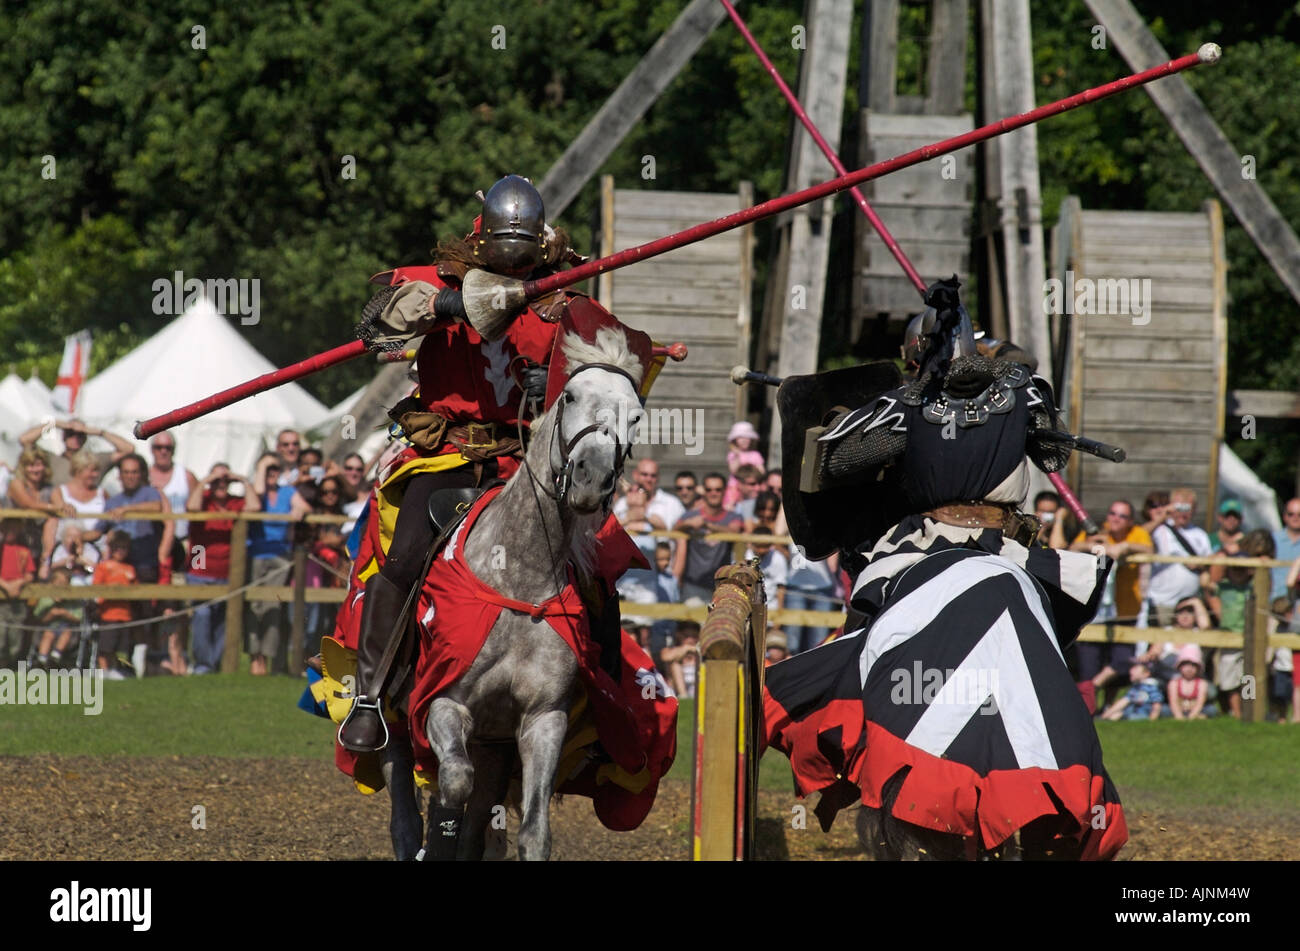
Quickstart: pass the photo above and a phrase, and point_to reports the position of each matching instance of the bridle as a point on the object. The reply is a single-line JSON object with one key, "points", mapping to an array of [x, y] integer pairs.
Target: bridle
{"points": [[562, 481]]}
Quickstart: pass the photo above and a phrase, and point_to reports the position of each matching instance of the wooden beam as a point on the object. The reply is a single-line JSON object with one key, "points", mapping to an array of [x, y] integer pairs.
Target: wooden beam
{"points": [[237, 575], [1014, 199], [628, 103], [802, 288], [1266, 403], [1217, 157], [370, 411]]}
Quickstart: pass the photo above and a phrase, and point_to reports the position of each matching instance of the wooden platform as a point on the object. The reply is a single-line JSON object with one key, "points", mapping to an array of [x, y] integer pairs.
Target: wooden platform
{"points": [[699, 294], [1154, 384], [929, 214]]}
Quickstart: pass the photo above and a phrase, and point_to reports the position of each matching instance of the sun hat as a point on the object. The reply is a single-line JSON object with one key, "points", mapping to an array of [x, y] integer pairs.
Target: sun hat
{"points": [[742, 430]]}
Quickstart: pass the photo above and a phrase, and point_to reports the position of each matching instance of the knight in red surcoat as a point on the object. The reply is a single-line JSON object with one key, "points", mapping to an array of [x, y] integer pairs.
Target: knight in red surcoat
{"points": [[483, 375]]}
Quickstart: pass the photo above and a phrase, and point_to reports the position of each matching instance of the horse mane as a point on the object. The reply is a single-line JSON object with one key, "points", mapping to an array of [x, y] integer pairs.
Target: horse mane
{"points": [[610, 347]]}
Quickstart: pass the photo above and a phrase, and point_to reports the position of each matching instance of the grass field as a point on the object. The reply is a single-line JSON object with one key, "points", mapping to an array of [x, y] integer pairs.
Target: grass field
{"points": [[1209, 765]]}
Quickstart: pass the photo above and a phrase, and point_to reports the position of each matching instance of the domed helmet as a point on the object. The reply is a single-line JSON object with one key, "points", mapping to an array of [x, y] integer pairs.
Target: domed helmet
{"points": [[511, 235], [916, 338]]}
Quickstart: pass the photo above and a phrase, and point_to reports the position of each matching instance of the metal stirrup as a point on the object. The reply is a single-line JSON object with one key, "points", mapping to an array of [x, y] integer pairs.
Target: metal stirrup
{"points": [[363, 703]]}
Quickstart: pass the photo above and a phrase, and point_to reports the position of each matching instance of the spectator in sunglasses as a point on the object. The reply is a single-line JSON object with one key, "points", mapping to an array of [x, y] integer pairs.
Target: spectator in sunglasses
{"points": [[687, 489]]}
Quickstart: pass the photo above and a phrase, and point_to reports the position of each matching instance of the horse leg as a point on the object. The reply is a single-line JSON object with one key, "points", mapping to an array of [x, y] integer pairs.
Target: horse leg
{"points": [[404, 823], [541, 737], [486, 808], [448, 726]]}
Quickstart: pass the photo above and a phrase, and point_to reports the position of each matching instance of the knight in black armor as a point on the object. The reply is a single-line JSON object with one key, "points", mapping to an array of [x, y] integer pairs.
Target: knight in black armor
{"points": [[919, 484]]}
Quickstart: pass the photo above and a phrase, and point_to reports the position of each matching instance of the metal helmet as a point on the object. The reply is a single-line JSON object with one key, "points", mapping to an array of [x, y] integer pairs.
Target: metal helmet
{"points": [[916, 338], [511, 234]]}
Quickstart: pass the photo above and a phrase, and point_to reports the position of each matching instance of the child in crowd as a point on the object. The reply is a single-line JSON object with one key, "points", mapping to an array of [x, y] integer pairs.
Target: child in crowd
{"points": [[743, 451], [17, 568], [1284, 685], [1143, 700], [61, 620], [1188, 691], [76, 557], [775, 647], [681, 658], [115, 569], [1231, 587]]}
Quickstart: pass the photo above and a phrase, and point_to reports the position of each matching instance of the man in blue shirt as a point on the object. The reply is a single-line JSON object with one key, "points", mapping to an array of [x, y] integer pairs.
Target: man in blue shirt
{"points": [[270, 545], [151, 542], [1287, 540]]}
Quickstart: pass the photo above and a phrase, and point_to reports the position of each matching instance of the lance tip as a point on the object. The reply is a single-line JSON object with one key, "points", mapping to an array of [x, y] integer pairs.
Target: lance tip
{"points": [[1209, 53], [739, 375]]}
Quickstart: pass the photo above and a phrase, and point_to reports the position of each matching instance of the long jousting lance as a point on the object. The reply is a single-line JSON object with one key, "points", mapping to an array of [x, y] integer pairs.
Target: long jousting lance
{"points": [[1058, 482], [1209, 53]]}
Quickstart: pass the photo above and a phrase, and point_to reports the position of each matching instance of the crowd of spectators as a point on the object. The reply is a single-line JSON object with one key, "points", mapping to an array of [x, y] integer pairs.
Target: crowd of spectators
{"points": [[1164, 675], [98, 530]]}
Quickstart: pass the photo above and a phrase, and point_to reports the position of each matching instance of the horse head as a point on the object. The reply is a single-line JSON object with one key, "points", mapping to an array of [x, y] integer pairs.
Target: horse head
{"points": [[590, 427]]}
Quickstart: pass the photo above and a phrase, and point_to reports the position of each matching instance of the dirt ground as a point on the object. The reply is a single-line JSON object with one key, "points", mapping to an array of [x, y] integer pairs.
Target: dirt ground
{"points": [[87, 808]]}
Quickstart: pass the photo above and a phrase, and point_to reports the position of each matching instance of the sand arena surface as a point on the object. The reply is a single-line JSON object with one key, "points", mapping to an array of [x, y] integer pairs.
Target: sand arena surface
{"points": [[90, 808]]}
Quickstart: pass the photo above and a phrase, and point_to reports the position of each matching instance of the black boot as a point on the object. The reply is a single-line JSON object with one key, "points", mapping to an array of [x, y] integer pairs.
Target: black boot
{"points": [[444, 834], [364, 730], [607, 631]]}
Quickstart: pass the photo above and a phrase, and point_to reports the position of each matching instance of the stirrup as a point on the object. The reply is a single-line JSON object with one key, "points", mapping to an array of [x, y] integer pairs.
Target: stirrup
{"points": [[363, 703]]}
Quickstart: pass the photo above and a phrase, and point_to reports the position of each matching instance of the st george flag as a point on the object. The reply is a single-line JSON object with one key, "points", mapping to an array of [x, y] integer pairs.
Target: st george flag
{"points": [[74, 368]]}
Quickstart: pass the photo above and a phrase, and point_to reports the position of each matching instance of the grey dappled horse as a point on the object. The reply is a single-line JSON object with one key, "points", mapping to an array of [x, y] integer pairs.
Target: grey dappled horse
{"points": [[518, 692]]}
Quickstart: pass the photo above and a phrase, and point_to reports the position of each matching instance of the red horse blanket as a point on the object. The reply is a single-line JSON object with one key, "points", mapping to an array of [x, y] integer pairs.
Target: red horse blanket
{"points": [[634, 720]]}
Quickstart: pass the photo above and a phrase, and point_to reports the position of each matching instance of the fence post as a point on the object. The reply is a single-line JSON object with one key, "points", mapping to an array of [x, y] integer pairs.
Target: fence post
{"points": [[1255, 647], [235, 605], [298, 628]]}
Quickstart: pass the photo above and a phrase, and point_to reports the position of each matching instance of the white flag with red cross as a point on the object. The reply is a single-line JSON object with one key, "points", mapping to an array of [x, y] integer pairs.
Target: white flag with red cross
{"points": [[74, 368]]}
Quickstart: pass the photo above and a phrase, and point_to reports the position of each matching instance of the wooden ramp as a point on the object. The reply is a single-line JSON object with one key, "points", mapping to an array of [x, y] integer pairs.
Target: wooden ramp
{"points": [[700, 295], [1152, 383]]}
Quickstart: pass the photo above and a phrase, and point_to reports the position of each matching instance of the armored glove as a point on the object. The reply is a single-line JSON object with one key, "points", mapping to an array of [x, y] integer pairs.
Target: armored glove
{"points": [[534, 386], [399, 312]]}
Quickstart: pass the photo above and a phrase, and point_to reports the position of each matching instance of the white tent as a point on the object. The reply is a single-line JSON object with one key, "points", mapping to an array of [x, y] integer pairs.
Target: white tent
{"points": [[20, 410], [197, 355], [1238, 481], [38, 388], [367, 444]]}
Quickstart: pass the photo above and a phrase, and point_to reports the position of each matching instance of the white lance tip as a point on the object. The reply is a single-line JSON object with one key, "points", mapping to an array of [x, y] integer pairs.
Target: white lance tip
{"points": [[739, 375], [1209, 53]]}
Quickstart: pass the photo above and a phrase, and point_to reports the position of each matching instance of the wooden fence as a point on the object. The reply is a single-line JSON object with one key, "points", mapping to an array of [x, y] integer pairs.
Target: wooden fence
{"points": [[1255, 641]]}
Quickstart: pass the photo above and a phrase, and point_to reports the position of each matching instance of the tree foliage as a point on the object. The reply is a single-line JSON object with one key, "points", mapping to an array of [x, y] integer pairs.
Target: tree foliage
{"points": [[226, 158]]}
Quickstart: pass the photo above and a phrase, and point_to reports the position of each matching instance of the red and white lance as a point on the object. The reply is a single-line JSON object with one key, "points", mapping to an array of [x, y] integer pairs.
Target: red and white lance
{"points": [[1209, 53]]}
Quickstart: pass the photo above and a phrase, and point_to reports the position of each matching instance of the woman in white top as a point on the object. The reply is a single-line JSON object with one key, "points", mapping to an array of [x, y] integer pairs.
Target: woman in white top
{"points": [[82, 493]]}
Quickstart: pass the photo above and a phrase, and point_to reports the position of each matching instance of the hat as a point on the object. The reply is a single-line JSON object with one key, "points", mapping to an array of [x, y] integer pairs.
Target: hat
{"points": [[1191, 654], [743, 429], [1230, 507], [776, 638]]}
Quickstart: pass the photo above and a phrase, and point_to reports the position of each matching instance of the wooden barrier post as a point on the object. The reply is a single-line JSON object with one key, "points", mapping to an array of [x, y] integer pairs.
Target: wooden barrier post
{"points": [[235, 605], [728, 701], [717, 702], [298, 628], [1254, 709]]}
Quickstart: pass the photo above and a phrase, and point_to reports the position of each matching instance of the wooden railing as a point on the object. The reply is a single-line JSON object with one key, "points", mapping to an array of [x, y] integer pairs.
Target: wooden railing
{"points": [[1254, 641]]}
